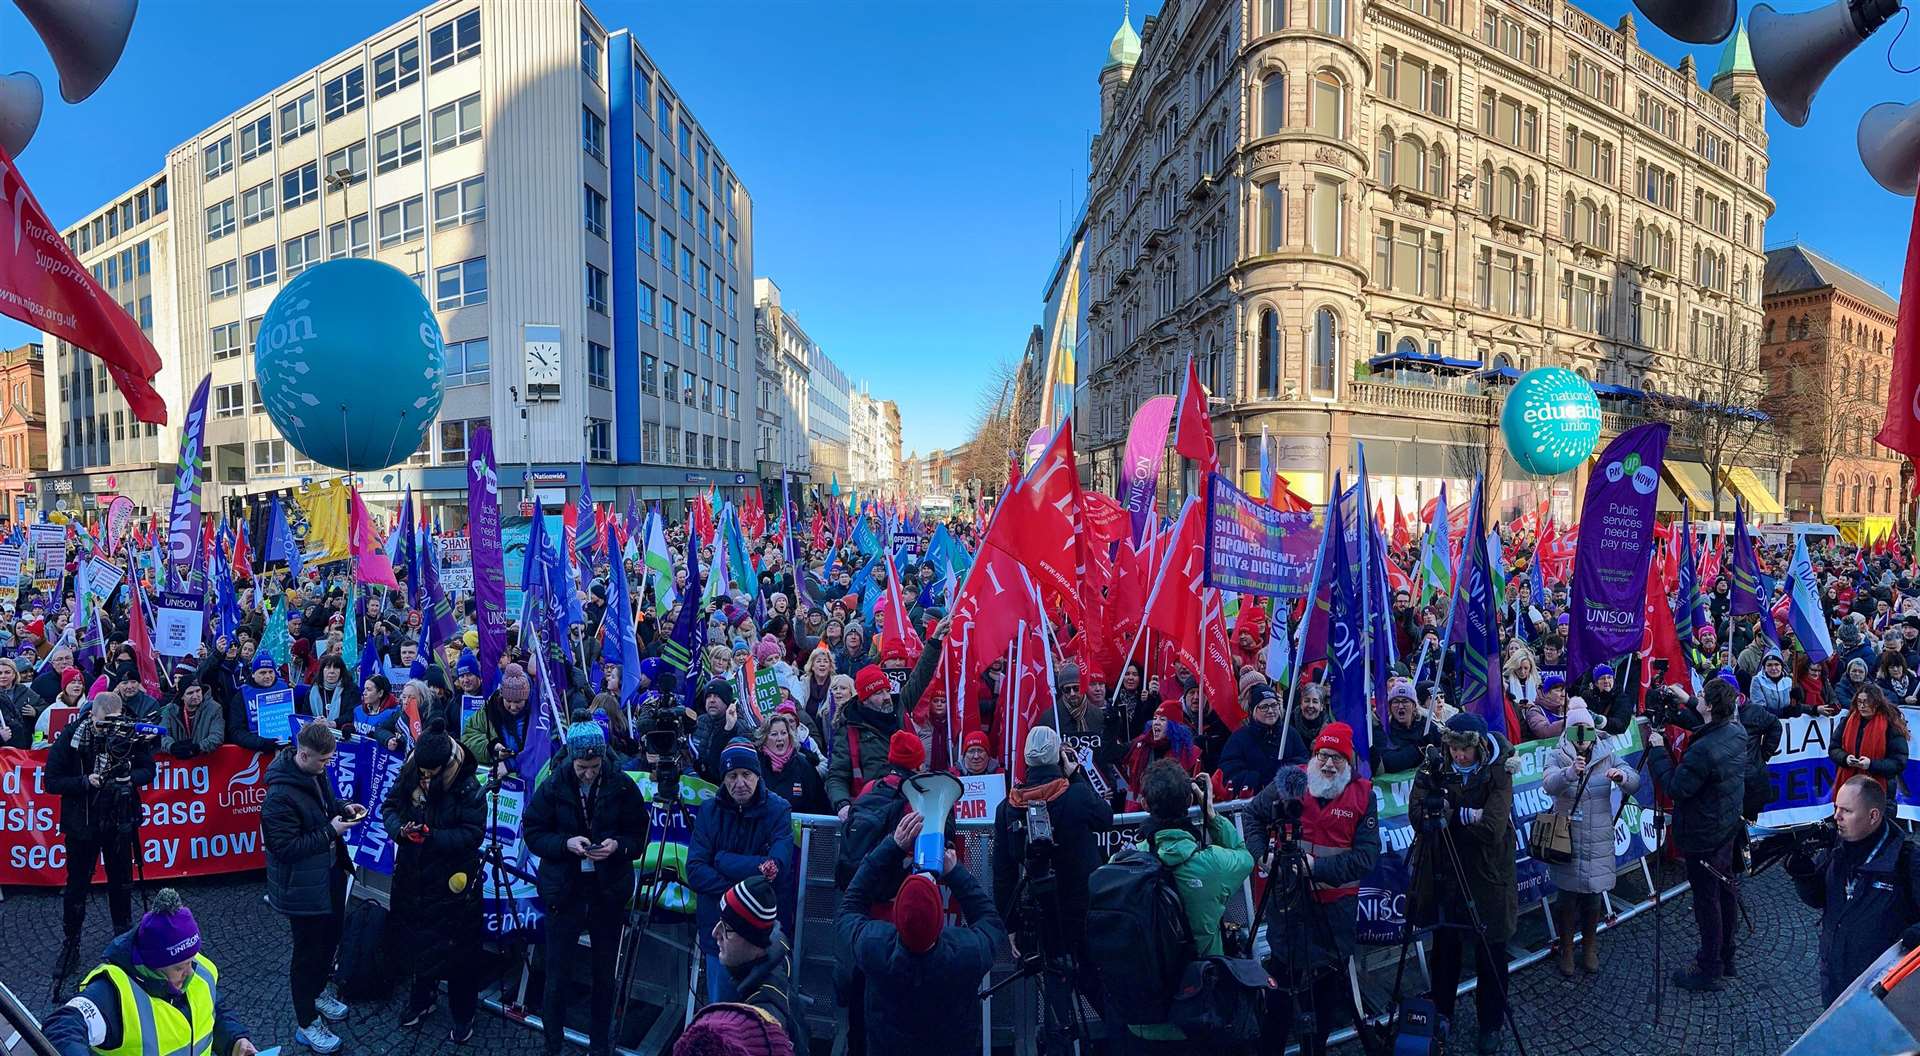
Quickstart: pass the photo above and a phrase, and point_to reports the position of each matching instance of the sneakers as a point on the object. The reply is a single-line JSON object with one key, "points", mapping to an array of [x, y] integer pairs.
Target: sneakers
{"points": [[318, 1037], [460, 1035], [329, 1005], [1698, 982], [417, 1016]]}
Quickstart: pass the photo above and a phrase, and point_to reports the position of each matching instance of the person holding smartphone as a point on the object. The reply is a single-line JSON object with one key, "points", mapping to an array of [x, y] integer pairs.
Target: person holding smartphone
{"points": [[1582, 776], [304, 826]]}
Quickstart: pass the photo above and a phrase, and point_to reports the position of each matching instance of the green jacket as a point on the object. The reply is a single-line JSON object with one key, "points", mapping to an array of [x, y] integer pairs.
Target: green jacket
{"points": [[1208, 877]]}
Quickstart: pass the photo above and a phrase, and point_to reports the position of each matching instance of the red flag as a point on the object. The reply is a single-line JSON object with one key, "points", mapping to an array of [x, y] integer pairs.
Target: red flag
{"points": [[1284, 500], [1661, 641], [44, 285], [1039, 522], [1193, 435], [1401, 537], [1216, 674], [142, 643], [1032, 693], [1427, 508], [1173, 608], [370, 564], [987, 614], [1900, 430], [242, 566], [895, 626]]}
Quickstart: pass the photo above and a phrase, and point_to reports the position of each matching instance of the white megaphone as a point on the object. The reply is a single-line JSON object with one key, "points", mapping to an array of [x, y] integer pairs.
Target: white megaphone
{"points": [[1692, 21], [932, 796], [85, 38], [1889, 141], [21, 101], [1793, 54]]}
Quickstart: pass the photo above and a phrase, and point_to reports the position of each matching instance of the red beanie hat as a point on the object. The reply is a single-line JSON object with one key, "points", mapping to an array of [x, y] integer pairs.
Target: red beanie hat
{"points": [[870, 681], [976, 737], [895, 650], [917, 913], [68, 676], [904, 750], [1171, 710], [1338, 737]]}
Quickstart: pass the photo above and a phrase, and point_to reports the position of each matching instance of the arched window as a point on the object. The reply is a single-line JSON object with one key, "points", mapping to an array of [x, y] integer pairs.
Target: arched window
{"points": [[1330, 16], [1873, 494], [1410, 163], [1606, 229], [1273, 15], [1273, 217], [1326, 349], [1437, 175], [1487, 197], [1266, 380], [1887, 496], [1273, 104], [1839, 501], [1640, 242], [1527, 197], [1586, 223], [1329, 103], [1506, 194], [1566, 218], [1406, 348], [1856, 493], [1767, 333], [1386, 148]]}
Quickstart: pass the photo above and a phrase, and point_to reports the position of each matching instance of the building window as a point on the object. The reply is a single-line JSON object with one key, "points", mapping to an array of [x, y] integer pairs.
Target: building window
{"points": [[468, 362], [1652, 320], [297, 118], [643, 231], [299, 254], [349, 238], [455, 123], [1273, 15], [453, 41], [1503, 283], [593, 134], [1326, 234], [345, 94], [396, 68], [256, 137], [1585, 302], [650, 442], [1326, 350], [229, 401], [649, 369], [223, 279], [599, 365], [590, 54], [1273, 217], [224, 341], [454, 437], [1329, 109], [1328, 16], [1408, 259], [299, 186], [269, 458], [595, 210], [667, 316], [220, 220], [646, 304], [599, 440], [402, 221], [256, 204], [460, 285], [262, 267], [348, 165], [596, 290], [1266, 380], [397, 146], [460, 203], [1273, 100]]}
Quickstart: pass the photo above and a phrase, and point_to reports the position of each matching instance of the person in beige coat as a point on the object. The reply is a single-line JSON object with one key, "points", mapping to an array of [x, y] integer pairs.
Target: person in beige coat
{"points": [[1581, 776]]}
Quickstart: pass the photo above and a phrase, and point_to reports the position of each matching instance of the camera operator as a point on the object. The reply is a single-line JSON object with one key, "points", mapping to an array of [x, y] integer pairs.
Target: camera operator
{"points": [[1463, 886], [1707, 784], [1867, 884], [1043, 874], [97, 766], [1323, 842]]}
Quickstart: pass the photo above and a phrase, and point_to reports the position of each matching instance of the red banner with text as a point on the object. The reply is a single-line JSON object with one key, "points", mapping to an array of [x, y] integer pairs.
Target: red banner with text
{"points": [[201, 817]]}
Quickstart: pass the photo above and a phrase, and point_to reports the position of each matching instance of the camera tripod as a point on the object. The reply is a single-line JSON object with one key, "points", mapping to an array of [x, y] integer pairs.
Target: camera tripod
{"points": [[69, 960], [495, 854], [631, 936], [1048, 962], [1290, 889]]}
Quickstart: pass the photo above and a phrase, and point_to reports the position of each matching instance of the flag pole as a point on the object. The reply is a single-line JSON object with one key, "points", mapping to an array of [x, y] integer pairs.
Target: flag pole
{"points": [[1159, 578], [1300, 630]]}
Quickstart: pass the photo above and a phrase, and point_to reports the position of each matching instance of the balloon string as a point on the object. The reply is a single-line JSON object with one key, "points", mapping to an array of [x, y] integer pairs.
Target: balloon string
{"points": [[1906, 18]]}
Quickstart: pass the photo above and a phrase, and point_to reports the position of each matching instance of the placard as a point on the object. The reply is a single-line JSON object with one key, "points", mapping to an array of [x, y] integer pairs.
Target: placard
{"points": [[1253, 548], [981, 798], [178, 624], [270, 709], [470, 704], [103, 578], [10, 565]]}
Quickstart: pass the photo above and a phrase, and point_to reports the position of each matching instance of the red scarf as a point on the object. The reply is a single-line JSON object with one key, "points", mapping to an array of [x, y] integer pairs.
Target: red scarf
{"points": [[1862, 737]]}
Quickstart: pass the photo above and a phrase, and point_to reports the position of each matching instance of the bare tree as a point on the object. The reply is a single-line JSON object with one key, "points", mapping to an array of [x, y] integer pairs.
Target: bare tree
{"points": [[1728, 414], [1812, 405], [991, 433]]}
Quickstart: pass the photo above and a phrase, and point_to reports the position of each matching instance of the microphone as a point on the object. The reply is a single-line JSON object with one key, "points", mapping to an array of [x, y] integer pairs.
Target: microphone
{"points": [[1293, 783]]}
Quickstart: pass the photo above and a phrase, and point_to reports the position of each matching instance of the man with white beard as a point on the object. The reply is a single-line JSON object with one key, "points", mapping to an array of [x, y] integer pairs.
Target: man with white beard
{"points": [[1310, 918]]}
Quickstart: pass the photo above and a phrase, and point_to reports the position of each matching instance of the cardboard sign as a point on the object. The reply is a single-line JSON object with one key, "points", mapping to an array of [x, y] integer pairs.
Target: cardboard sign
{"points": [[178, 625], [982, 797]]}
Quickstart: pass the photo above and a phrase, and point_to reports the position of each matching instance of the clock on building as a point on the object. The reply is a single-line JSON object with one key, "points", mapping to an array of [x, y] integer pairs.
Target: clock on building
{"points": [[543, 362]]}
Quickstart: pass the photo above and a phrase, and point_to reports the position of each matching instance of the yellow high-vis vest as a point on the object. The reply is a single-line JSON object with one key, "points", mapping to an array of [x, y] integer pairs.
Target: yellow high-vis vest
{"points": [[156, 1028]]}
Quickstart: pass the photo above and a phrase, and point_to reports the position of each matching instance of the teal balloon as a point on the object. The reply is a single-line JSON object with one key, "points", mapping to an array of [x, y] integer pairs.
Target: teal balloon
{"points": [[1551, 420], [351, 364]]}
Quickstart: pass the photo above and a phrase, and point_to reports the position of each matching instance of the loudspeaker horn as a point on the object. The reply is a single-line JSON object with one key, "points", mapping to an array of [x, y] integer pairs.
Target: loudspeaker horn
{"points": [[1793, 54], [21, 101], [85, 38], [1889, 141], [932, 796], [1691, 21]]}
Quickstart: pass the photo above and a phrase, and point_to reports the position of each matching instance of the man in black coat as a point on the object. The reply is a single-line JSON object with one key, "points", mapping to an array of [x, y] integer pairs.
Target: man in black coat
{"points": [[1867, 886], [1256, 751], [1707, 783], [99, 810], [304, 825], [755, 952], [588, 823]]}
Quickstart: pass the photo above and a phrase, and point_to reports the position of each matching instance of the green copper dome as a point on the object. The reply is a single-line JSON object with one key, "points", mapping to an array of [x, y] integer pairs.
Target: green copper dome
{"points": [[1125, 49], [1737, 56]]}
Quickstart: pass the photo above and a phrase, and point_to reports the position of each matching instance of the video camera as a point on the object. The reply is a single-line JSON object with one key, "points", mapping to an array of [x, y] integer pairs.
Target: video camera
{"points": [[662, 735], [1037, 918], [114, 739], [1667, 705], [1433, 811], [1801, 841]]}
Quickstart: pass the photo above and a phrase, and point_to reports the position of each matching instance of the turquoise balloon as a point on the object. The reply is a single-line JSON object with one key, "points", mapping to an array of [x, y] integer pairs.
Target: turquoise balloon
{"points": [[1551, 420], [351, 364]]}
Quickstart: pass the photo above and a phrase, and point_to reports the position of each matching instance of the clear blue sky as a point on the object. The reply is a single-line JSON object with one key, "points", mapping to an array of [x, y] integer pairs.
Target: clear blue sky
{"points": [[909, 161]]}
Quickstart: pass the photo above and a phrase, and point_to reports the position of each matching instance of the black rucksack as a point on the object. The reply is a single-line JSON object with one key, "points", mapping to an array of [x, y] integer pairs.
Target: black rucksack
{"points": [[871, 819], [1138, 937], [367, 957]]}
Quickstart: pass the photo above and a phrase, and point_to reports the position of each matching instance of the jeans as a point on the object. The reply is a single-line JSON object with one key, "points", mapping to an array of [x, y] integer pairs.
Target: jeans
{"points": [[83, 852], [563, 938], [315, 941], [1443, 965], [1716, 895]]}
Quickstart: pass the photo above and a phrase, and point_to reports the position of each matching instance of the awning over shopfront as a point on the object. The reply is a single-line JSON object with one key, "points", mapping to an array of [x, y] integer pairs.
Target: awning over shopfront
{"points": [[1604, 388], [1689, 482], [1760, 502], [1414, 359]]}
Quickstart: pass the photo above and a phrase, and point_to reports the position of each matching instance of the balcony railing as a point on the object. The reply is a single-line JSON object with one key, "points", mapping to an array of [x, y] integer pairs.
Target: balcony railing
{"points": [[1419, 400]]}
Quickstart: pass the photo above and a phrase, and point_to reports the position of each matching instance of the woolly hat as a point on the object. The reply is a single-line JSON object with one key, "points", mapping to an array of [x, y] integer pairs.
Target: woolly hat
{"points": [[768, 649], [434, 749], [1260, 693], [917, 913], [717, 688], [1250, 678], [1601, 671], [871, 681], [729, 1029], [182, 674], [1067, 674], [975, 738], [1171, 711], [471, 638], [1398, 688], [514, 684], [751, 908], [1465, 728], [1578, 715], [586, 739], [69, 675], [739, 755], [1551, 682], [1336, 737], [1043, 746], [895, 650], [167, 934], [468, 664], [905, 751], [130, 672]]}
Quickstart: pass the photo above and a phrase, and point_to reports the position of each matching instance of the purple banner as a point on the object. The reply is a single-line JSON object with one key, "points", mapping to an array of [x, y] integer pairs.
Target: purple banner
{"points": [[183, 516], [1140, 467], [1253, 548], [1616, 540], [489, 564]]}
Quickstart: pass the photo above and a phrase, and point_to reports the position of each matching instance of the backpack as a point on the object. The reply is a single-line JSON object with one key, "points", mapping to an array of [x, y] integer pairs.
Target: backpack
{"points": [[870, 819], [366, 964], [1138, 937]]}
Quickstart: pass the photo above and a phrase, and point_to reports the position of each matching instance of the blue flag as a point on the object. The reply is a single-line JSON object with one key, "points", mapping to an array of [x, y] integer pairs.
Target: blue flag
{"points": [[1804, 614], [410, 550], [689, 639], [621, 645], [1472, 623], [1346, 641]]}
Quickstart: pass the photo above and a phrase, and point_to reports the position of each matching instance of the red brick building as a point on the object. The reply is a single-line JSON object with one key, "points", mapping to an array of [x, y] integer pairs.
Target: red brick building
{"points": [[23, 425]]}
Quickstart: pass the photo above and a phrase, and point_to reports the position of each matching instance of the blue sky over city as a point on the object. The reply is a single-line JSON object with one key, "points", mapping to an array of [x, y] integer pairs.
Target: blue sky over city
{"points": [[910, 163]]}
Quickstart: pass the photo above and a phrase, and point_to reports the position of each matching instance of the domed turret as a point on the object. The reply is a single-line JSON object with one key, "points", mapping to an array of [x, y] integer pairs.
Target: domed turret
{"points": [[1125, 48], [1123, 54]]}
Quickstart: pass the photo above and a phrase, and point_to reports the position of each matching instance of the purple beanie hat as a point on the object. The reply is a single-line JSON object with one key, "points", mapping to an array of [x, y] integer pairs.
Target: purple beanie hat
{"points": [[167, 934]]}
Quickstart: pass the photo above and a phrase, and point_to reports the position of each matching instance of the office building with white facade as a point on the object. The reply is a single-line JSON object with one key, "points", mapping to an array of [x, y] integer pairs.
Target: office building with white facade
{"points": [[784, 354], [829, 420]]}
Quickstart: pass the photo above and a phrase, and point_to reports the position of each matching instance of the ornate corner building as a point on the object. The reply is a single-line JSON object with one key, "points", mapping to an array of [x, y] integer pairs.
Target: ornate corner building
{"points": [[1363, 219]]}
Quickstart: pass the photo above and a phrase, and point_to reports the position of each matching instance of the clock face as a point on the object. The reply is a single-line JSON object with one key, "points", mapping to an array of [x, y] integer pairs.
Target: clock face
{"points": [[543, 361]]}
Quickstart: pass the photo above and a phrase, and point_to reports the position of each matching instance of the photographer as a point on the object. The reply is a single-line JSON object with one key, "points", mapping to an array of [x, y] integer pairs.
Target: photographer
{"points": [[1707, 784], [1313, 891], [97, 766], [304, 825], [1461, 807], [1867, 885]]}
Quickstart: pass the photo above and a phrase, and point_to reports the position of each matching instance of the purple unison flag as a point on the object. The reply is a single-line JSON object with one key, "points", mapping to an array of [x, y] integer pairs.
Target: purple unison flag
{"points": [[1746, 569], [1140, 468], [1473, 622], [183, 516], [1608, 602], [489, 564]]}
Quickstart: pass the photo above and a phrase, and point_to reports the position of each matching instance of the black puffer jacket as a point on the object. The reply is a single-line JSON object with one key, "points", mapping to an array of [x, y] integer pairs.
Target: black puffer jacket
{"points": [[19, 707], [440, 922], [1857, 925], [302, 848], [554, 816], [1708, 786], [1764, 733]]}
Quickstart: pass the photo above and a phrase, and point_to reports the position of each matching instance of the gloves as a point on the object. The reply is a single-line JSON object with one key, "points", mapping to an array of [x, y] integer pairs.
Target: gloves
{"points": [[1471, 815], [183, 749]]}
